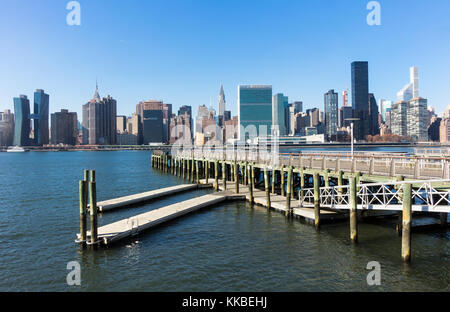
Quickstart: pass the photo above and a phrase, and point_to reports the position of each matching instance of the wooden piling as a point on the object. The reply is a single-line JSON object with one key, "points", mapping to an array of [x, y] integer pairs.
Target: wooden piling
{"points": [[302, 182], [316, 201], [406, 224], [353, 211], [83, 208], [224, 175], [251, 185], [283, 192], [92, 173], [398, 226], [197, 176], [236, 177], [289, 192], [274, 173], [266, 185], [340, 181], [216, 175], [93, 210]]}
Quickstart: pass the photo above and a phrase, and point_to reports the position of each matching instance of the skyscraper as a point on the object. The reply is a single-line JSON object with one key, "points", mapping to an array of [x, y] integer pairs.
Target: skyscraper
{"points": [[417, 119], [385, 106], [41, 117], [399, 118], [374, 127], [331, 113], [360, 98], [411, 90], [222, 102], [254, 111], [6, 128], [21, 121], [64, 127], [279, 110], [99, 120]]}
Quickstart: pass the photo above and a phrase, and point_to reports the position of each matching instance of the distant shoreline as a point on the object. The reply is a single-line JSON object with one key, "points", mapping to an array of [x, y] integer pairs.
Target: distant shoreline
{"points": [[168, 147]]}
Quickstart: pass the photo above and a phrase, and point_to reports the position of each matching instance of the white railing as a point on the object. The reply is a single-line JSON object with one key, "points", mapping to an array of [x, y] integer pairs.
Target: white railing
{"points": [[383, 196]]}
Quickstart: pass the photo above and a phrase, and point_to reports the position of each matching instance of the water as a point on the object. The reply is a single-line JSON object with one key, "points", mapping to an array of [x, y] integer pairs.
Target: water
{"points": [[229, 247]]}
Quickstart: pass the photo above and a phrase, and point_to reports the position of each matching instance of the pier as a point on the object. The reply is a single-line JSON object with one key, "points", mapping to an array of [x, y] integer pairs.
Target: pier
{"points": [[316, 188]]}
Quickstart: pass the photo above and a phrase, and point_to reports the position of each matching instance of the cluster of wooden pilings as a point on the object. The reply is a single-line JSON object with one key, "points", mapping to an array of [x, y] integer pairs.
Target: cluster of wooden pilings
{"points": [[88, 193], [286, 181]]}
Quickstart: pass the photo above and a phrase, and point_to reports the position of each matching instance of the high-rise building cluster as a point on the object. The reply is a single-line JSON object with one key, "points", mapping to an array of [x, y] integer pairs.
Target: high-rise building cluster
{"points": [[261, 114]]}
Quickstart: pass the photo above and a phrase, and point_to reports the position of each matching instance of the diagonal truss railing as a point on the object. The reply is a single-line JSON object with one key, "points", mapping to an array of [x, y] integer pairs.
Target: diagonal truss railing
{"points": [[383, 196]]}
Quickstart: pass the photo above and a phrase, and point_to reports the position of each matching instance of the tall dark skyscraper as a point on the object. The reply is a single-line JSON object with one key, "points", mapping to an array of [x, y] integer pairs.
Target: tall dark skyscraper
{"points": [[331, 113], [374, 128], [99, 120], [360, 98], [40, 117], [64, 127], [22, 121]]}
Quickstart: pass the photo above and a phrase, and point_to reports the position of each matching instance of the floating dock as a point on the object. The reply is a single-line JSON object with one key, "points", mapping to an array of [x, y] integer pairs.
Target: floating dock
{"points": [[142, 197], [116, 231]]}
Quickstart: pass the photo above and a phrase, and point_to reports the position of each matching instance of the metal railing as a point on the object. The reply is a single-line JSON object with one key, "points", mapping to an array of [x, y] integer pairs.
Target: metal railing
{"points": [[382, 196]]}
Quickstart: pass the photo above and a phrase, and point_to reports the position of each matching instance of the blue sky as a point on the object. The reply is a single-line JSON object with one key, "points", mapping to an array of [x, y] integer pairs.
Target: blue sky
{"points": [[181, 51]]}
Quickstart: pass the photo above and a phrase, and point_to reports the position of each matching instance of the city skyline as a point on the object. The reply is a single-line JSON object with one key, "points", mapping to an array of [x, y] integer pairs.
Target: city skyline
{"points": [[304, 71]]}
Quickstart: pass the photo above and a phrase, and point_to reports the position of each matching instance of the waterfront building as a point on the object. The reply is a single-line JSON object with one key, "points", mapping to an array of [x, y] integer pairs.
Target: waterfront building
{"points": [[417, 119], [6, 128], [331, 113], [221, 106], [126, 139], [345, 113], [21, 121], [444, 130], [231, 129], [279, 108], [434, 128], [64, 127], [206, 127], [133, 125], [374, 127], [254, 111], [398, 116], [411, 90], [121, 124], [99, 120], [180, 129], [184, 111], [385, 106], [41, 118], [360, 98], [167, 114]]}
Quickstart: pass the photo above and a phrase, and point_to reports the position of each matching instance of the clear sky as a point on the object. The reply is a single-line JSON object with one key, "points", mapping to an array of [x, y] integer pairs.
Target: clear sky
{"points": [[181, 51]]}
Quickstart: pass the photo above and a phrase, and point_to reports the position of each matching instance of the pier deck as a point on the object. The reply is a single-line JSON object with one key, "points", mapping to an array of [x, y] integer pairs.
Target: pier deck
{"points": [[278, 203], [113, 232], [142, 197]]}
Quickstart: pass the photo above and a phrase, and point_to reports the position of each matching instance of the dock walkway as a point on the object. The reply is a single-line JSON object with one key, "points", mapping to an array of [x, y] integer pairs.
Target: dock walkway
{"points": [[113, 232], [142, 197]]}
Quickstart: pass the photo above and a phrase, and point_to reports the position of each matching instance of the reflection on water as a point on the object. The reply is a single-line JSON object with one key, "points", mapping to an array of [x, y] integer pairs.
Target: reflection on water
{"points": [[229, 247]]}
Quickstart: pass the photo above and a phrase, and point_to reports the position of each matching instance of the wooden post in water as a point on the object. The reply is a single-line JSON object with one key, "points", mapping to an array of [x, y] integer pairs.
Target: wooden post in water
{"points": [[283, 192], [340, 178], [398, 226], [251, 185], [224, 175], [207, 171], [83, 208], [316, 201], [266, 185], [216, 175], [197, 177], [192, 170], [93, 210], [236, 177], [302, 182], [406, 224], [244, 173], [289, 192], [183, 168], [274, 173], [188, 167], [353, 211]]}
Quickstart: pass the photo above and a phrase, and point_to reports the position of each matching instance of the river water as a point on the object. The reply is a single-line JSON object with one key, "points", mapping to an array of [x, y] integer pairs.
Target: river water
{"points": [[229, 247]]}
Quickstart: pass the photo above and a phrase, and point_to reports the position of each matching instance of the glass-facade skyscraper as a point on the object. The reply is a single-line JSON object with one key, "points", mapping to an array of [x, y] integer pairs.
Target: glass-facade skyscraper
{"points": [[331, 113], [40, 117], [22, 121], [360, 98], [254, 111], [280, 113]]}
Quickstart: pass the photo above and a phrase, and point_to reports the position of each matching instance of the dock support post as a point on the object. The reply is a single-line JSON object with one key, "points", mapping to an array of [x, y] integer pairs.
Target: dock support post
{"points": [[251, 184], [183, 168], [188, 167], [340, 177], [353, 211], [398, 226], [83, 207], [224, 175], [216, 175], [302, 182], [283, 192], [207, 171], [316, 201], [266, 185], [192, 170], [289, 192], [274, 174], [93, 210], [406, 224], [358, 178], [244, 173], [236, 177], [197, 177]]}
